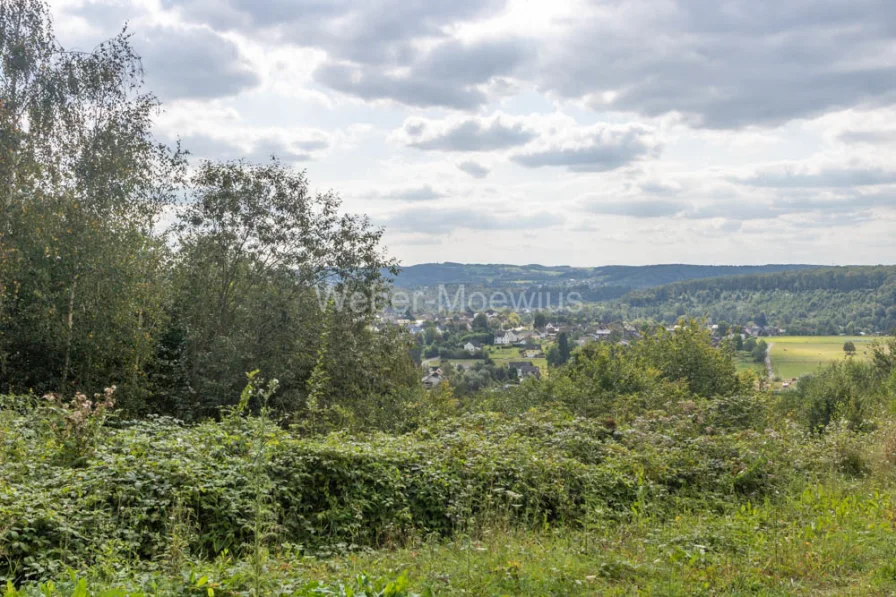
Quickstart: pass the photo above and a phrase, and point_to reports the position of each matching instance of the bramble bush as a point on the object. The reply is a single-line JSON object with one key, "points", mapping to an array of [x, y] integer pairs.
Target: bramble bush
{"points": [[345, 491]]}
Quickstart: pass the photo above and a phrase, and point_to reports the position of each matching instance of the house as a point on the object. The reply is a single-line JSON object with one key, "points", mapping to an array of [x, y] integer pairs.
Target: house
{"points": [[533, 354], [506, 339], [472, 347], [525, 369], [433, 379]]}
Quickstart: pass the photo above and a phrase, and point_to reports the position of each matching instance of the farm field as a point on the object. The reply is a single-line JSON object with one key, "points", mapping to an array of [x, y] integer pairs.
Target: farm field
{"points": [[793, 356]]}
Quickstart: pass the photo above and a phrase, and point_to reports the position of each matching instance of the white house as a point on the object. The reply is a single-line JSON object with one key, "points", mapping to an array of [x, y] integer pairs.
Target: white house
{"points": [[471, 347], [506, 338]]}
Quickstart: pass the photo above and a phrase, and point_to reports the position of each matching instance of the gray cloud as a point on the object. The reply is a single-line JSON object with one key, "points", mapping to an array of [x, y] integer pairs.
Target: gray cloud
{"points": [[179, 62], [362, 32], [656, 187], [421, 193], [884, 137], [448, 76], [370, 84], [721, 64], [644, 208], [837, 207], [474, 169], [831, 176], [728, 64], [605, 149], [828, 207], [192, 63], [474, 63], [472, 134], [444, 221], [365, 42]]}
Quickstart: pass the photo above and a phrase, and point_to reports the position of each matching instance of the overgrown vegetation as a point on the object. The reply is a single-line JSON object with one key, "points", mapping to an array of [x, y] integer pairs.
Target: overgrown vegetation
{"points": [[133, 463], [610, 449]]}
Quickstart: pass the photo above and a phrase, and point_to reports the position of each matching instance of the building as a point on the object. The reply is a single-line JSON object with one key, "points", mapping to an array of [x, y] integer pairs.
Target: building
{"points": [[525, 369], [433, 379], [506, 339]]}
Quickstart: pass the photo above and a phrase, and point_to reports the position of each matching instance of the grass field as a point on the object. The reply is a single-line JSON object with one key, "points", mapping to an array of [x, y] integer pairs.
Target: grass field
{"points": [[500, 355], [745, 362], [504, 355], [793, 356]]}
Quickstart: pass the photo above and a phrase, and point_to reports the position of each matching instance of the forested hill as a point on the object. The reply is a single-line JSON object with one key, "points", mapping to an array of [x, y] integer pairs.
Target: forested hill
{"points": [[633, 277], [825, 300]]}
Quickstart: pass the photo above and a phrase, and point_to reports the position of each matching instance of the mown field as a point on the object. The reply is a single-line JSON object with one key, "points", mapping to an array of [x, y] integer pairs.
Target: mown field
{"points": [[794, 356]]}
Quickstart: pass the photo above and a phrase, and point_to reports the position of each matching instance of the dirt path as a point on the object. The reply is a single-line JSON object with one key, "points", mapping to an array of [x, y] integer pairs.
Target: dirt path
{"points": [[768, 361]]}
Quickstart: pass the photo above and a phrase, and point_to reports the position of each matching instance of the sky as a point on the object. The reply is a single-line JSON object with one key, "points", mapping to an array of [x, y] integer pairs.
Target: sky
{"points": [[546, 131]]}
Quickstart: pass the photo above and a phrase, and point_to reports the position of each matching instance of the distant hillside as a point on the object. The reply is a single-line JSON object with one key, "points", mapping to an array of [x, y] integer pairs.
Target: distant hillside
{"points": [[530, 276], [828, 300]]}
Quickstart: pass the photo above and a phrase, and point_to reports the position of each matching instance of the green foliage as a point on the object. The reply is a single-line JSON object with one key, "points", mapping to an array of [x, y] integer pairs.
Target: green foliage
{"points": [[82, 183], [821, 301], [687, 354], [847, 390], [250, 497], [759, 352], [662, 368], [261, 259], [91, 294], [449, 477], [480, 323]]}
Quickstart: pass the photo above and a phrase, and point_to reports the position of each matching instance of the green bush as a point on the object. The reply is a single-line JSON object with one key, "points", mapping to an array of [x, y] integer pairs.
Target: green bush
{"points": [[455, 476]]}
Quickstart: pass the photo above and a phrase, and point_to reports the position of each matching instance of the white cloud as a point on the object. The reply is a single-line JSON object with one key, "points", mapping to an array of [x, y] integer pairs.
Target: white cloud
{"points": [[626, 131]]}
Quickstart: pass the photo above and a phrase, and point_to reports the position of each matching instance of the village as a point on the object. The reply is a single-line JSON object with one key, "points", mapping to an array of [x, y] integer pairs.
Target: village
{"points": [[503, 347]]}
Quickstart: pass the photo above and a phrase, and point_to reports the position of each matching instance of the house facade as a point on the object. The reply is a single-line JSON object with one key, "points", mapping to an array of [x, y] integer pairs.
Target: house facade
{"points": [[506, 338]]}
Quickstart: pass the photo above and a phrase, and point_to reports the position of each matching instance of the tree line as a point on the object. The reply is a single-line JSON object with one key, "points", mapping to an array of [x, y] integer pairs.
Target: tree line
{"points": [[96, 290], [823, 301]]}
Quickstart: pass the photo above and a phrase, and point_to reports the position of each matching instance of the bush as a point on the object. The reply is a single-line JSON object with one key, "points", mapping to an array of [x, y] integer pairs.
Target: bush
{"points": [[844, 390], [457, 475]]}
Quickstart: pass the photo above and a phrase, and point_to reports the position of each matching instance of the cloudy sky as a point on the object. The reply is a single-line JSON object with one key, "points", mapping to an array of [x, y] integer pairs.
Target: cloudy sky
{"points": [[547, 131]]}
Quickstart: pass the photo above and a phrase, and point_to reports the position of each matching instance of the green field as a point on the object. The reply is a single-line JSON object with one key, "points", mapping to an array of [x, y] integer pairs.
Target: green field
{"points": [[745, 362], [793, 356], [504, 355]]}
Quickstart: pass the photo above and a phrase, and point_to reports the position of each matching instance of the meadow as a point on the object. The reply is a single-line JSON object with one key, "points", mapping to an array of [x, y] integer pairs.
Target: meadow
{"points": [[507, 354], [795, 356]]}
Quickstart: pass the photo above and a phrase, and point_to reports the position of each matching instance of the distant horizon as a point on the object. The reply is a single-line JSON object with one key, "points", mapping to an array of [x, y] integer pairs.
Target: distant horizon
{"points": [[770, 263]]}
